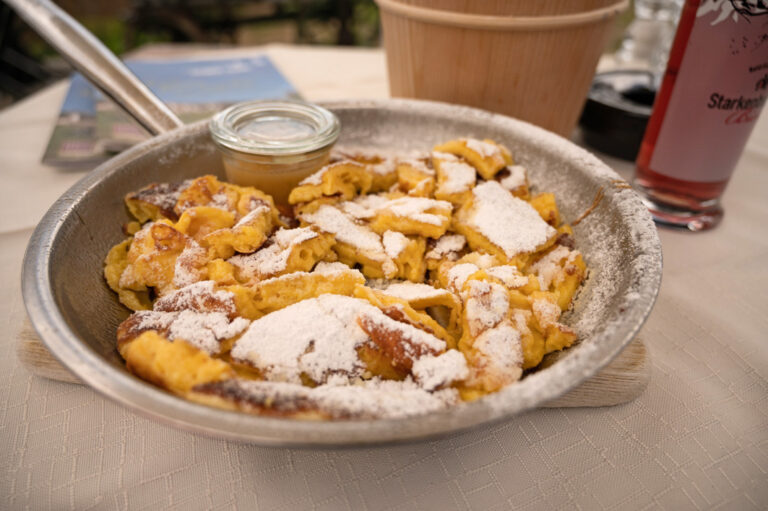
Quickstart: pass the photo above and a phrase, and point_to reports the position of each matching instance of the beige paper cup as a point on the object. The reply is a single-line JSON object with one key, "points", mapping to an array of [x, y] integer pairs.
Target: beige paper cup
{"points": [[533, 60]]}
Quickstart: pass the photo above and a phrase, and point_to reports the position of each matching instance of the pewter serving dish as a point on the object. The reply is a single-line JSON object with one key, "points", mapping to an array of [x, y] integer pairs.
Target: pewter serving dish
{"points": [[76, 314]]}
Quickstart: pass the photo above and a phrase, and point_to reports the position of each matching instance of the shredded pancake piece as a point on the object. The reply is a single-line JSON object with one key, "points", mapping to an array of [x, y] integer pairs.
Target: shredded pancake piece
{"points": [[509, 224], [392, 285]]}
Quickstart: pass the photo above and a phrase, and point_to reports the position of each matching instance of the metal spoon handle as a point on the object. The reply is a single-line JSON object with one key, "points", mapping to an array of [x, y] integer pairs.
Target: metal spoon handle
{"points": [[100, 66]]}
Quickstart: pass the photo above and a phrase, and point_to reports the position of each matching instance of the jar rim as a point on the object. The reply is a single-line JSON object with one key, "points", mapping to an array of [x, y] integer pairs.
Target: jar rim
{"points": [[271, 127]]}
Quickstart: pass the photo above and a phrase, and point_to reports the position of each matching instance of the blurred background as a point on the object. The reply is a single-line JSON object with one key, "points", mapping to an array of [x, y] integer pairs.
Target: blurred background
{"points": [[27, 63]]}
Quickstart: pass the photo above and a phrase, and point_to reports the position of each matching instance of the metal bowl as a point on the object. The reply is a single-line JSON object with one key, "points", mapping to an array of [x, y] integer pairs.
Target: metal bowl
{"points": [[76, 314]]}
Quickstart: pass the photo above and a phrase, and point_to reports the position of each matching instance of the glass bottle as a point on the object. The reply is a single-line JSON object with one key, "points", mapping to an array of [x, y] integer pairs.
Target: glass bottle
{"points": [[713, 90]]}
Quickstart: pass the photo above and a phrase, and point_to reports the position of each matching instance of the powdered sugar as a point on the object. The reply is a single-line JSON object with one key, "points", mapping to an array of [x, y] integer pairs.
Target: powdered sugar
{"points": [[520, 319], [411, 291], [394, 243], [220, 200], [316, 179], [293, 237], [420, 209], [204, 330], [319, 337], [420, 166], [273, 258], [433, 372], [331, 220], [456, 177], [500, 353], [511, 224], [356, 210], [162, 195], [411, 340], [389, 267], [385, 398], [326, 267], [485, 149], [384, 167], [198, 297], [363, 207], [554, 173], [249, 218], [483, 261], [486, 305], [366, 400], [439, 155], [446, 245], [509, 275], [547, 313], [306, 337], [151, 320], [295, 278], [458, 275], [189, 264], [548, 268], [515, 179]]}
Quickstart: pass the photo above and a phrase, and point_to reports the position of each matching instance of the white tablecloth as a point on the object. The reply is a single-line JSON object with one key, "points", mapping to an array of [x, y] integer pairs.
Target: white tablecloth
{"points": [[696, 439]]}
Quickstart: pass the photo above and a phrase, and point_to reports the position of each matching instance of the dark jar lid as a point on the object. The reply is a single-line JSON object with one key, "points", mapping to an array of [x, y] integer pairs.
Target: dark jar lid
{"points": [[617, 111]]}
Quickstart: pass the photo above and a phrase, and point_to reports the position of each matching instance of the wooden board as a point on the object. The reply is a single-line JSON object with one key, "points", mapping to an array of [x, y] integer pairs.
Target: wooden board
{"points": [[621, 381]]}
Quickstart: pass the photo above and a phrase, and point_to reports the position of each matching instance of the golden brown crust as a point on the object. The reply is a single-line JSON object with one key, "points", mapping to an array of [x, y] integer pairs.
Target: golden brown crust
{"points": [[155, 201], [229, 237], [230, 395]]}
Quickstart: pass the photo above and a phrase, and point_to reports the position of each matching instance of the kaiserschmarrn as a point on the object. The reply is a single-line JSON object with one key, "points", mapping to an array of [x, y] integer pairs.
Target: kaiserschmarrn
{"points": [[391, 286]]}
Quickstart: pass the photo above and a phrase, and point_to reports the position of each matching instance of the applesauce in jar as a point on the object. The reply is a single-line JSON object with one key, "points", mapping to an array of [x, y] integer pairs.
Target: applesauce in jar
{"points": [[273, 145]]}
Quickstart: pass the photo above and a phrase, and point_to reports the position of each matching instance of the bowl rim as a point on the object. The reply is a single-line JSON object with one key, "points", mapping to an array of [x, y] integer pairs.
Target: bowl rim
{"points": [[155, 403]]}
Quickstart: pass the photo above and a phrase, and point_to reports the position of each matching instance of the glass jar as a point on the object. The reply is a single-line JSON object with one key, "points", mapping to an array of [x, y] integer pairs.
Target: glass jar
{"points": [[272, 145]]}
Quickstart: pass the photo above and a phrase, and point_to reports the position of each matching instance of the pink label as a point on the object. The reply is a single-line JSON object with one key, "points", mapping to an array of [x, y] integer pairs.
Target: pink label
{"points": [[720, 89]]}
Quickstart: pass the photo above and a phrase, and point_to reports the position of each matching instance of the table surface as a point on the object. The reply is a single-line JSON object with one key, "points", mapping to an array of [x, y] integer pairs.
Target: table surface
{"points": [[696, 439]]}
